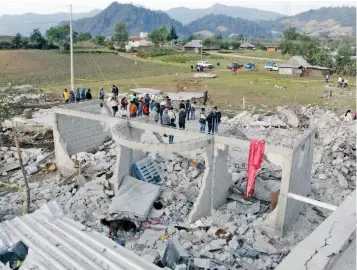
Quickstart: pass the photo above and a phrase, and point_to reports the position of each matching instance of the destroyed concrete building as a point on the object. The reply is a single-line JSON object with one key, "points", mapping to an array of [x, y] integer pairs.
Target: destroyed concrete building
{"points": [[196, 220]]}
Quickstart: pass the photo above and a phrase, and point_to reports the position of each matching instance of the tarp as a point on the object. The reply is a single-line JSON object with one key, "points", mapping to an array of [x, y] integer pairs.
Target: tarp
{"points": [[255, 159]]}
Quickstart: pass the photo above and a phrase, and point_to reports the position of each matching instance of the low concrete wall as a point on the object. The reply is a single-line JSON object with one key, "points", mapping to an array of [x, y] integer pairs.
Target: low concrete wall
{"points": [[81, 134], [321, 249]]}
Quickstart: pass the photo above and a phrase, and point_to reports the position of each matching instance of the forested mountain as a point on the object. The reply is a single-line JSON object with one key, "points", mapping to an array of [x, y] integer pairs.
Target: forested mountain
{"points": [[25, 23], [327, 21], [137, 19], [187, 15], [224, 25]]}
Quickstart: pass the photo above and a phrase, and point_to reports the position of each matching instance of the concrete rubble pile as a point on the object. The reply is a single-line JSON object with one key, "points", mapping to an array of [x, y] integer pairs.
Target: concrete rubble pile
{"points": [[334, 167], [232, 236]]}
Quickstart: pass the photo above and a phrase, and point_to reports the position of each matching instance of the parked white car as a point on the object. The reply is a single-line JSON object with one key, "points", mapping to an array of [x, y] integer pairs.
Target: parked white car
{"points": [[204, 64]]}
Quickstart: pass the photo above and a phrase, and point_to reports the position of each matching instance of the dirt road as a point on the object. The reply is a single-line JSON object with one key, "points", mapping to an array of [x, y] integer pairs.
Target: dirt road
{"points": [[246, 57]]}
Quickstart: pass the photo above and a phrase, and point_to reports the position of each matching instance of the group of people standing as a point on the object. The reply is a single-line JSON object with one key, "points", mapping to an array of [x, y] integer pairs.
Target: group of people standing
{"points": [[80, 95]]}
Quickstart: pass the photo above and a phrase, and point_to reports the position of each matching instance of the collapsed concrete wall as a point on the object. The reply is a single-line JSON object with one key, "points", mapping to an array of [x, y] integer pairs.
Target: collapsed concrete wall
{"points": [[296, 179]]}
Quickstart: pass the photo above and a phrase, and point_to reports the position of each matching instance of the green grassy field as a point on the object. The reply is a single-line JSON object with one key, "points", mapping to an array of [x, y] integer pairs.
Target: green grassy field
{"points": [[50, 70]]}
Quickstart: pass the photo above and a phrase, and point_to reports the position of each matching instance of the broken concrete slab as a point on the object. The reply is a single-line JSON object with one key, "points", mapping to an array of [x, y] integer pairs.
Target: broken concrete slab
{"points": [[134, 199]]}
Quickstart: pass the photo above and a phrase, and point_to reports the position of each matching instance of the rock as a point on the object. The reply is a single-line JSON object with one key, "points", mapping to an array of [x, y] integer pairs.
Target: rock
{"points": [[170, 167], [177, 167], [322, 176], [181, 267], [262, 246], [342, 180], [242, 229], [344, 170], [152, 256], [203, 263], [291, 118]]}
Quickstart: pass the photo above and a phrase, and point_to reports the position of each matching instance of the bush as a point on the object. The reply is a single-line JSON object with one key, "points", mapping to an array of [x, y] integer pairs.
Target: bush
{"points": [[110, 47], [175, 58], [155, 52], [4, 45]]}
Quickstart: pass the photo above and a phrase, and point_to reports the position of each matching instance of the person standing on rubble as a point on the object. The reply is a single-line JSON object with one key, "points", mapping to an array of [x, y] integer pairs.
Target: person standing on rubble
{"points": [[182, 105], [205, 97], [147, 99], [71, 97], [101, 94], [188, 109], [218, 119], [165, 117], [78, 95], [182, 118], [89, 94], [202, 121], [115, 91], [211, 120], [347, 117], [114, 105], [133, 109], [161, 110], [66, 95], [83, 94]]}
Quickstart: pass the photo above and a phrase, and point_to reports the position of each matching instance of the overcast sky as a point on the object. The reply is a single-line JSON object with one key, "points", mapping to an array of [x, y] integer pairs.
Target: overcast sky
{"points": [[52, 6]]}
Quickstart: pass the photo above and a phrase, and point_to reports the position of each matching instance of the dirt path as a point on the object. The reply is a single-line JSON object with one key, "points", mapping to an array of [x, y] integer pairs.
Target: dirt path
{"points": [[245, 57]]}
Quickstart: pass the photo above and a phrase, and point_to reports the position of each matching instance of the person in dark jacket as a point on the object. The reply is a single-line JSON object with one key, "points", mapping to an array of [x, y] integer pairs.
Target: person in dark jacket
{"points": [[88, 94], [115, 91], [147, 99], [182, 118], [78, 95], [218, 119], [182, 105], [188, 109], [71, 96], [83, 94], [205, 97], [211, 120]]}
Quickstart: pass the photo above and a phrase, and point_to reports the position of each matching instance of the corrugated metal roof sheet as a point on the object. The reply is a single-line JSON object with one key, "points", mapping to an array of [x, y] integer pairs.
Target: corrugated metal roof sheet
{"points": [[193, 44], [296, 62], [247, 45], [56, 242]]}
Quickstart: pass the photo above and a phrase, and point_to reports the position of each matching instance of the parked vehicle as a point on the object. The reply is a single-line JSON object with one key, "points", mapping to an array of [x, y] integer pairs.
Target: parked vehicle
{"points": [[204, 64], [235, 64], [250, 65], [272, 66]]}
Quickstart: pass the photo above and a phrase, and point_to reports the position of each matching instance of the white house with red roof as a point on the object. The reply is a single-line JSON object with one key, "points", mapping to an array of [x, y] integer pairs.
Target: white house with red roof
{"points": [[140, 42]]}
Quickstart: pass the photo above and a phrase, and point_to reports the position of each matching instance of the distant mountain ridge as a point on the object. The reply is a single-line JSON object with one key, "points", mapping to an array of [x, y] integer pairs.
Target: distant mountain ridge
{"points": [[186, 15], [137, 19], [224, 25], [25, 23]]}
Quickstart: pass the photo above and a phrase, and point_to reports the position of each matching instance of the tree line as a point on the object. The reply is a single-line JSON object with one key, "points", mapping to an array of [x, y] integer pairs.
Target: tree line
{"points": [[315, 53]]}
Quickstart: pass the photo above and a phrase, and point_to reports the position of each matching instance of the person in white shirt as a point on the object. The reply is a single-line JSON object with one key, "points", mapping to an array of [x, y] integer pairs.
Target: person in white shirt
{"points": [[172, 115], [114, 105], [339, 81], [202, 121]]}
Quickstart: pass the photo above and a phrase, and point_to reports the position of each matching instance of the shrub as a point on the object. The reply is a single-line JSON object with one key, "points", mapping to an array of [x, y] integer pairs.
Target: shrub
{"points": [[155, 52]]}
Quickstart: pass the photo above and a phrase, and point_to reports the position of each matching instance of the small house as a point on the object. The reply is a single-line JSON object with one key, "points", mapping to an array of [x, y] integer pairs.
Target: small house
{"points": [[247, 46], [139, 43], [297, 65], [272, 48], [194, 45]]}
